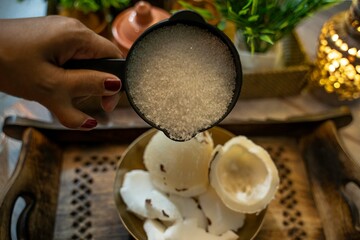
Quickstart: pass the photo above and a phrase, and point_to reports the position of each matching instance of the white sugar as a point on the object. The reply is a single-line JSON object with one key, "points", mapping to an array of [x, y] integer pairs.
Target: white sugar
{"points": [[182, 79]]}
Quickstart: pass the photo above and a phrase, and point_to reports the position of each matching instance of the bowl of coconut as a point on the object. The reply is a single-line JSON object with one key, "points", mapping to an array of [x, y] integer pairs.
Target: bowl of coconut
{"points": [[214, 186]]}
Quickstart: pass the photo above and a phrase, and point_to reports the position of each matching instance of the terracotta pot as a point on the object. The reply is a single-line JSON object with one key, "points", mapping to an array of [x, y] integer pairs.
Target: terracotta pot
{"points": [[131, 23]]}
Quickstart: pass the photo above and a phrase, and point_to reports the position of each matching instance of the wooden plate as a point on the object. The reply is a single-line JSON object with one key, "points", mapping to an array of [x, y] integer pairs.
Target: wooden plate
{"points": [[133, 159]]}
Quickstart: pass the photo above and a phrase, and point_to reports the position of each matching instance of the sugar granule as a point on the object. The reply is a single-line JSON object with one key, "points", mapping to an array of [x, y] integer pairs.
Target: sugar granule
{"points": [[182, 78]]}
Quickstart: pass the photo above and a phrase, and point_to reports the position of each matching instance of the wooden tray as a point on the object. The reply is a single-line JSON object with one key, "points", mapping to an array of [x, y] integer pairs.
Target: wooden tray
{"points": [[66, 179]]}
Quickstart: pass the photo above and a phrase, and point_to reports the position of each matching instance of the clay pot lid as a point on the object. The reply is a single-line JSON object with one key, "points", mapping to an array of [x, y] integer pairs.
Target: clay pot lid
{"points": [[132, 22]]}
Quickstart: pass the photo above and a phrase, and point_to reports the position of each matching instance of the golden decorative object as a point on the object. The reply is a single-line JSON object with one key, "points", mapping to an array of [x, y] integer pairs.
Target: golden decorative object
{"points": [[337, 68]]}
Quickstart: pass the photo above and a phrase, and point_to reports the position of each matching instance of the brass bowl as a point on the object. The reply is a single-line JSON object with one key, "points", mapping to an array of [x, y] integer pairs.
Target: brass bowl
{"points": [[132, 159]]}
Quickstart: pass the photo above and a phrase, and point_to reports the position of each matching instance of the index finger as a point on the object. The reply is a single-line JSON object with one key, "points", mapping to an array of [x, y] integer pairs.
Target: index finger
{"points": [[96, 46], [78, 42]]}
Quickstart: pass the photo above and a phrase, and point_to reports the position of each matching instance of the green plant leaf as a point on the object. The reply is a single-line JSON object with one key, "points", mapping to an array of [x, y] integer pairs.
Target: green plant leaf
{"points": [[267, 31], [222, 25], [247, 5], [206, 14], [284, 25], [266, 38], [269, 20], [67, 3], [243, 12], [87, 6], [253, 18], [248, 31]]}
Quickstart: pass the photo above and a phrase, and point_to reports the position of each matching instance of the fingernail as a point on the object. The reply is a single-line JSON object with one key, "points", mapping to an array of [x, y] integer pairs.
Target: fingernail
{"points": [[89, 123], [112, 84]]}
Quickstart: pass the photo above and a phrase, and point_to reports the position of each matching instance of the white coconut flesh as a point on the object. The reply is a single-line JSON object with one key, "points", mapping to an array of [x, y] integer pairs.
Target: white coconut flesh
{"points": [[188, 229], [221, 218], [179, 167], [244, 175], [189, 209], [143, 199], [154, 229]]}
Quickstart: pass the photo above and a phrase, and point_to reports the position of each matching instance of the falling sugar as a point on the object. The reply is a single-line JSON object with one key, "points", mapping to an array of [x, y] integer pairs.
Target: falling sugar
{"points": [[182, 78]]}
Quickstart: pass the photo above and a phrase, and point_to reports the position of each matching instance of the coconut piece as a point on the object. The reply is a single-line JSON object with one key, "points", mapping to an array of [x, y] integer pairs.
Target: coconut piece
{"points": [[220, 217], [143, 199], [188, 229], [154, 229], [243, 175], [189, 208], [179, 167]]}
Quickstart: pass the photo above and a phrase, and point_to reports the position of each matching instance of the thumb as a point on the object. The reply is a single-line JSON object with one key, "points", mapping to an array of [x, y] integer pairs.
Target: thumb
{"points": [[93, 88], [73, 118], [82, 82]]}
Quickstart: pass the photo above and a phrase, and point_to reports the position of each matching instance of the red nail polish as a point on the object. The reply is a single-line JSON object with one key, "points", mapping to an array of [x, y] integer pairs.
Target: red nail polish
{"points": [[112, 85], [89, 123]]}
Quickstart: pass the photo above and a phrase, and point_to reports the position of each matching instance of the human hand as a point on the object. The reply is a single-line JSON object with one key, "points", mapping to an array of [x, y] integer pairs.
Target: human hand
{"points": [[32, 52]]}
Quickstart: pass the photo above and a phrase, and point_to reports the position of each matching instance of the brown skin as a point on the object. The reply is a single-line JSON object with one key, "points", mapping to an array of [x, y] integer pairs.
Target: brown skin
{"points": [[32, 52]]}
